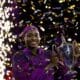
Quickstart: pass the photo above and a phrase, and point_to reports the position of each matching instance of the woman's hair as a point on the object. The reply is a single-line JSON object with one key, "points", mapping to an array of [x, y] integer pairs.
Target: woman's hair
{"points": [[27, 29]]}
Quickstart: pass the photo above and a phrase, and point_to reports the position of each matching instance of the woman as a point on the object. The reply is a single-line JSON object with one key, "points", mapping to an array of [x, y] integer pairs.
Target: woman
{"points": [[30, 63]]}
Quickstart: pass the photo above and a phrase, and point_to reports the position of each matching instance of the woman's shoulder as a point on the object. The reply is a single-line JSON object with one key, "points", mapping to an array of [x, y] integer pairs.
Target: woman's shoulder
{"points": [[45, 52], [17, 54], [22, 54]]}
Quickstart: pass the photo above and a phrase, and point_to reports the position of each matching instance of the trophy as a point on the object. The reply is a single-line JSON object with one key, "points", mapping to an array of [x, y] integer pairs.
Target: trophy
{"points": [[65, 49]]}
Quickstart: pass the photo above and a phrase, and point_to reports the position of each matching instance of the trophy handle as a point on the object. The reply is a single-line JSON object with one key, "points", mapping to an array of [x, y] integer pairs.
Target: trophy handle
{"points": [[75, 50]]}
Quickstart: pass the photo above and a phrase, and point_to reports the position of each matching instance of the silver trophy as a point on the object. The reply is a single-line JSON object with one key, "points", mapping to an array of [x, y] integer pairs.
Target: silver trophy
{"points": [[65, 49], [67, 53]]}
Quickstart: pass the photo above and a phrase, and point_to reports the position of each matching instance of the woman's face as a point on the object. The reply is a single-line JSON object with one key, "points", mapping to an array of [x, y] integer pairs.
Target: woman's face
{"points": [[32, 38]]}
